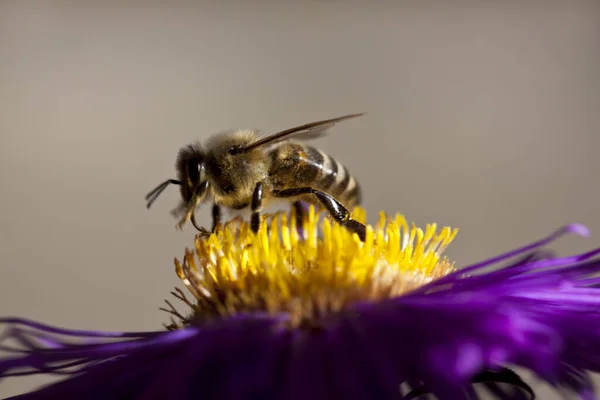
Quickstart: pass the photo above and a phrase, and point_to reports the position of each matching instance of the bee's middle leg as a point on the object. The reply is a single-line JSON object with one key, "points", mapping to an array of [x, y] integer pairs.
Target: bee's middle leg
{"points": [[333, 207], [256, 206]]}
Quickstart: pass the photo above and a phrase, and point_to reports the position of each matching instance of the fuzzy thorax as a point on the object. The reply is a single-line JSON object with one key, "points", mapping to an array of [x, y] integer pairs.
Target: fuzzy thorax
{"points": [[308, 278]]}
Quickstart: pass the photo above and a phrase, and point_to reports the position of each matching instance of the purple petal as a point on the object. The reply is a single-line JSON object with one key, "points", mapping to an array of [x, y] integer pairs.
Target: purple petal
{"points": [[540, 312], [578, 229], [307, 374]]}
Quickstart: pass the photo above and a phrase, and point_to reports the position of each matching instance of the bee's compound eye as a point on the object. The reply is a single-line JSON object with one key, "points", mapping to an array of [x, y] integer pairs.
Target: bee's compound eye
{"points": [[195, 170], [235, 149]]}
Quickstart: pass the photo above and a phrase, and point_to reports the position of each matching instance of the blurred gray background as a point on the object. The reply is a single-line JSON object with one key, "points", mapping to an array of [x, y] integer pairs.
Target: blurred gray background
{"points": [[482, 115]]}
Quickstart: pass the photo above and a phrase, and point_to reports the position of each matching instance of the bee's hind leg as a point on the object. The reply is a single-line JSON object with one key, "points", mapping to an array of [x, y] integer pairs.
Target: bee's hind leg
{"points": [[300, 209], [339, 213]]}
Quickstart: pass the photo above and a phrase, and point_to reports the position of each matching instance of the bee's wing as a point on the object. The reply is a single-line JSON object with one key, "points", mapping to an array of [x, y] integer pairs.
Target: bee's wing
{"points": [[308, 131]]}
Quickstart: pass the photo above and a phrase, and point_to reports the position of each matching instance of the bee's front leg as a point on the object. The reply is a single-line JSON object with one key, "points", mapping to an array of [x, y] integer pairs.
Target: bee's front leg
{"points": [[216, 220], [188, 216], [197, 198], [203, 232], [216, 216]]}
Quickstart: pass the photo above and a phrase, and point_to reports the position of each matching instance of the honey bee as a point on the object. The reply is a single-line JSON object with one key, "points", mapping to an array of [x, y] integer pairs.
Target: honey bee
{"points": [[240, 169]]}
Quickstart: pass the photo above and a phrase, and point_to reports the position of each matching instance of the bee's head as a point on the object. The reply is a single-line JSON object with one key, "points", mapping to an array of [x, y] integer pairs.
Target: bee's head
{"points": [[191, 170], [191, 176]]}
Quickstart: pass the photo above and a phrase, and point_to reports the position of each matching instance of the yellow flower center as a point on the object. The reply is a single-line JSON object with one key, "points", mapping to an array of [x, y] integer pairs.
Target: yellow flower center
{"points": [[308, 278]]}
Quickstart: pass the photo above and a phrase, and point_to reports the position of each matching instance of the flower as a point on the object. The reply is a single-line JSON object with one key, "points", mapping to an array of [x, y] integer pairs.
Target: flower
{"points": [[308, 279], [283, 315]]}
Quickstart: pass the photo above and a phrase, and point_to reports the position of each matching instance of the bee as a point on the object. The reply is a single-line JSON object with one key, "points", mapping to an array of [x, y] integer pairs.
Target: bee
{"points": [[241, 169]]}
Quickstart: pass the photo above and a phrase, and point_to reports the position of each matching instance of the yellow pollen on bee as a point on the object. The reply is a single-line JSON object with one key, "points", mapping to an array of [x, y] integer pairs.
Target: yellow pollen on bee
{"points": [[309, 274]]}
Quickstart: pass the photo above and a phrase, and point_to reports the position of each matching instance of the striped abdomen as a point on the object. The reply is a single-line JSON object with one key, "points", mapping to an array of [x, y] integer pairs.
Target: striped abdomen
{"points": [[295, 165]]}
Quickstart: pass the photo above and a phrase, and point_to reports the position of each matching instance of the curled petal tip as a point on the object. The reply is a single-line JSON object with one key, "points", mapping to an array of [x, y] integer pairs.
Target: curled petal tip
{"points": [[578, 229]]}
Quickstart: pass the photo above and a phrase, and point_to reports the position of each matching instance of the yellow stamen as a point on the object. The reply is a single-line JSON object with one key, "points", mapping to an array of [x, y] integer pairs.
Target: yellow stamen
{"points": [[312, 275]]}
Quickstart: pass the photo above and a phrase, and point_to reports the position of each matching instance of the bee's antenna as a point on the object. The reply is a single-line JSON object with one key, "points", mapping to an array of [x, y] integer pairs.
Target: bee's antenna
{"points": [[153, 195]]}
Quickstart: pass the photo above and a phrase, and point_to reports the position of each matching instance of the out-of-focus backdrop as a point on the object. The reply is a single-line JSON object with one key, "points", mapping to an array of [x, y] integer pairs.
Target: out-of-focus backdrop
{"points": [[481, 115]]}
